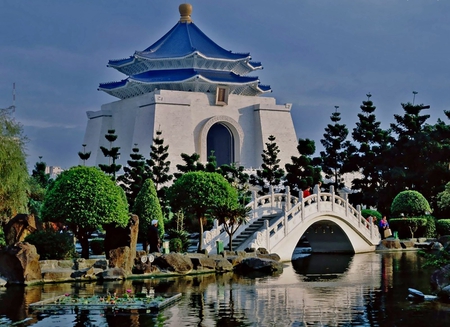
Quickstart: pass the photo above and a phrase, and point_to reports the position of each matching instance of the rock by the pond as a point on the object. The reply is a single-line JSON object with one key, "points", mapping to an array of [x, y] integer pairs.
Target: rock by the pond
{"points": [[440, 278], [114, 274], [174, 262], [444, 294], [19, 264], [418, 296], [248, 265], [2, 282]]}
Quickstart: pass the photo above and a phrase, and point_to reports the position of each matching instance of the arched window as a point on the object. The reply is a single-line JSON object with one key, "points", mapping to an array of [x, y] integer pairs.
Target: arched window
{"points": [[221, 141]]}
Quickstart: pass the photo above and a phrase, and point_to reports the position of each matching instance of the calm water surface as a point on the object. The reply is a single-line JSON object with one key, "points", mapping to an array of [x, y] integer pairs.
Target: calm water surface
{"points": [[319, 290]]}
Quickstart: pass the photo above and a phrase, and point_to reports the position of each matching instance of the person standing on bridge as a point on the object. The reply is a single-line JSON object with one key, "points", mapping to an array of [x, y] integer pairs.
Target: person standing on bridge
{"points": [[307, 192]]}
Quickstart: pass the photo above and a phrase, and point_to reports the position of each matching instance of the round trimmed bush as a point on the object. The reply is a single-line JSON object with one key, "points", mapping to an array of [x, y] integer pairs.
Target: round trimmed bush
{"points": [[410, 204]]}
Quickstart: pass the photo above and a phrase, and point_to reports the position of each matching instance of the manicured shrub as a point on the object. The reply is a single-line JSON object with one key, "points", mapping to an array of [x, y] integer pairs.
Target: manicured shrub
{"points": [[51, 245], [176, 245], [410, 204], [97, 246], [369, 212], [443, 227]]}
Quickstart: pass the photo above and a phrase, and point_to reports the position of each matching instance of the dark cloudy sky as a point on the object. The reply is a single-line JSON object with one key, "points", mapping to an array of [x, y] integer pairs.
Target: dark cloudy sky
{"points": [[316, 54]]}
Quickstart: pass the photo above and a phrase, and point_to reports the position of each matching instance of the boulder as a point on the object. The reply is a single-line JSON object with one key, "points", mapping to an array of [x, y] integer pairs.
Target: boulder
{"points": [[114, 274], [117, 237], [445, 241], [223, 265], [19, 227], [249, 265], [440, 278], [144, 268], [119, 258], [2, 282], [203, 262], [391, 243], [174, 262], [444, 294], [19, 264], [271, 256]]}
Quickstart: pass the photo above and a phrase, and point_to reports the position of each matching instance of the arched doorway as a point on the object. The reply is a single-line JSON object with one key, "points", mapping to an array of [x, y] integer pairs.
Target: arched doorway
{"points": [[220, 141]]}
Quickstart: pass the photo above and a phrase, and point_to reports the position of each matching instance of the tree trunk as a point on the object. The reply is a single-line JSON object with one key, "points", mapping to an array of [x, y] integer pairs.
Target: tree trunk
{"points": [[230, 247], [84, 242], [200, 237]]}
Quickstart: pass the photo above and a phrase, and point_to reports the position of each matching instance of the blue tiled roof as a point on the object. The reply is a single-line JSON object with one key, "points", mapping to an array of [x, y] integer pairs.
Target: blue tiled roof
{"points": [[180, 75], [182, 40]]}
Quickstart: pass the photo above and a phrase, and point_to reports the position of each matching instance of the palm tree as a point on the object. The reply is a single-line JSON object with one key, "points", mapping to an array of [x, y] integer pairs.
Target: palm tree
{"points": [[231, 217]]}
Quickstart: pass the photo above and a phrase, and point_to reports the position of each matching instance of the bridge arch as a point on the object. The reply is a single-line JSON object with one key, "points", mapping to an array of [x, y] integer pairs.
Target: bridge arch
{"points": [[285, 219], [326, 233]]}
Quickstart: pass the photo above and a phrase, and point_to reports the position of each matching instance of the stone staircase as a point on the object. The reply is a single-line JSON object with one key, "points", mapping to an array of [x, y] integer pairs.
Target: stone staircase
{"points": [[250, 230]]}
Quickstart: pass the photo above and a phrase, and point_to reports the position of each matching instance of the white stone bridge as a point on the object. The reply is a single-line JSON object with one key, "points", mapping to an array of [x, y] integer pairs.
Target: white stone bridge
{"points": [[278, 221]]}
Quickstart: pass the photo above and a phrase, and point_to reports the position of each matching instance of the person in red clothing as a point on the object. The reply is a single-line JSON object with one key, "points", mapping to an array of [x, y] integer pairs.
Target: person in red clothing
{"points": [[307, 192]]}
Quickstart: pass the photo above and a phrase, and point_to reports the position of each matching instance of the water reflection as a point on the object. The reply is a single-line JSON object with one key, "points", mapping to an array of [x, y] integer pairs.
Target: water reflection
{"points": [[321, 290]]}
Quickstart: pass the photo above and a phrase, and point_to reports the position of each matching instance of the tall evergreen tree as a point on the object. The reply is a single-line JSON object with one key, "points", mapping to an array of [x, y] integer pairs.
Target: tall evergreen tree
{"points": [[409, 154], [238, 178], [192, 163], [157, 169], [84, 155], [270, 173], [371, 143], [304, 171], [134, 175], [336, 151], [112, 153]]}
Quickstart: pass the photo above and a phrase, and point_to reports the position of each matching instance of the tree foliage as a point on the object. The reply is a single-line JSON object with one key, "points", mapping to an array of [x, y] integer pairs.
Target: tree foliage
{"points": [[336, 151], [270, 174], [112, 153], [147, 207], [231, 216], [410, 204], [134, 175], [85, 199], [303, 171], [367, 156], [13, 168], [196, 193], [158, 169]]}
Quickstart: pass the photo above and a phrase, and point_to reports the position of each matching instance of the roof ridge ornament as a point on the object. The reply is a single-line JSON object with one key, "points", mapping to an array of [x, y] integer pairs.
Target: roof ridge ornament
{"points": [[185, 10]]}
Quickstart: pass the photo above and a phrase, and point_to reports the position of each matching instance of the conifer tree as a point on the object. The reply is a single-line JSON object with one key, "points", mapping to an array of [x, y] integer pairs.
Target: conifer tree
{"points": [[304, 171], [84, 155], [270, 173], [157, 169], [336, 150], [371, 144], [191, 164], [134, 175], [112, 153], [410, 157]]}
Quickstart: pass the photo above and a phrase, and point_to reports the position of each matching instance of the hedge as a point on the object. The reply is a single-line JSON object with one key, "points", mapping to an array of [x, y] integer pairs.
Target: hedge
{"points": [[443, 227]]}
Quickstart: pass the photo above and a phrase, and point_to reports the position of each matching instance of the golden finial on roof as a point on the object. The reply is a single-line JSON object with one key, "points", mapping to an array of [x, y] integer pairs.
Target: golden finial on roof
{"points": [[185, 13]]}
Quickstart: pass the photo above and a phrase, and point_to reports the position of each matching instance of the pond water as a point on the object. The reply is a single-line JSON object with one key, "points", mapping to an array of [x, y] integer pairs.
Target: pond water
{"points": [[317, 290]]}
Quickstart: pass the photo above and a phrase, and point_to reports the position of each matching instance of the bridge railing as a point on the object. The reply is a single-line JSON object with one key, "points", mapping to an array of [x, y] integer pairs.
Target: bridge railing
{"points": [[317, 202], [266, 205]]}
